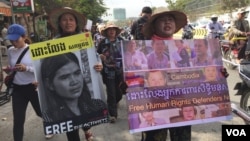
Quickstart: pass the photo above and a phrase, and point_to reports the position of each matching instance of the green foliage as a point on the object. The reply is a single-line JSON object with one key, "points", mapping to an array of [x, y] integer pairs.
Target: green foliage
{"points": [[42, 6], [226, 5], [229, 5], [212, 6], [176, 4], [92, 9]]}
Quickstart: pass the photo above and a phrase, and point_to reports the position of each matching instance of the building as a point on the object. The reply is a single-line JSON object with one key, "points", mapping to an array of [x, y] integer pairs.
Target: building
{"points": [[119, 13]]}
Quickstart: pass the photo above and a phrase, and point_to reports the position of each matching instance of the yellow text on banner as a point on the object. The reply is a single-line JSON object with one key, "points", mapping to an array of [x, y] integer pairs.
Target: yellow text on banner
{"points": [[61, 45]]}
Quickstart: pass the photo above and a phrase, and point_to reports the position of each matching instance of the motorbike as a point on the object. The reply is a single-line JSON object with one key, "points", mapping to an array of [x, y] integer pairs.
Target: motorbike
{"points": [[243, 90], [230, 51], [216, 34], [188, 32]]}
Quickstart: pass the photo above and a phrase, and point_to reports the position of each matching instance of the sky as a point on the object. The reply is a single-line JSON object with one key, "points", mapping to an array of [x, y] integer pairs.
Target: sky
{"points": [[134, 7]]}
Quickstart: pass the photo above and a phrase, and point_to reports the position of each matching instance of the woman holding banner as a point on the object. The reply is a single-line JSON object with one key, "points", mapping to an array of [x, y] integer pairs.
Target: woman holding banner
{"points": [[162, 26], [67, 22]]}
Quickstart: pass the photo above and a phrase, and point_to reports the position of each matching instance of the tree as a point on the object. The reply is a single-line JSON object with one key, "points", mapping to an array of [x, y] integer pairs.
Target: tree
{"points": [[221, 6], [92, 9], [230, 5], [176, 4]]}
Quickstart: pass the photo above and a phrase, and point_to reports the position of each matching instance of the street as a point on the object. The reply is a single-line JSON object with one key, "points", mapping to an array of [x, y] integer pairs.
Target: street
{"points": [[113, 132]]}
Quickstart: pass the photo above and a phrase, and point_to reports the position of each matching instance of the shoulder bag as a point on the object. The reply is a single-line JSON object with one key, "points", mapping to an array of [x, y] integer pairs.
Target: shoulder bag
{"points": [[8, 80]]}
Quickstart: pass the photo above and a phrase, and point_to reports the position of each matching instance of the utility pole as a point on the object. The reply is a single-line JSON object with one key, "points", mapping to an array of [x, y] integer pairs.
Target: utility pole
{"points": [[12, 13]]}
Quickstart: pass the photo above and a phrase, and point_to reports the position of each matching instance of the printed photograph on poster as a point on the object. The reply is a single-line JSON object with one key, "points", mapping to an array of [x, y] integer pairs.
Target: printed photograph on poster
{"points": [[180, 79], [70, 93]]}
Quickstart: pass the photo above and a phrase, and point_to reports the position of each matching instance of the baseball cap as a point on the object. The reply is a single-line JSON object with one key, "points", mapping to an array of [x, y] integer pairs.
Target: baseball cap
{"points": [[147, 10], [15, 31]]}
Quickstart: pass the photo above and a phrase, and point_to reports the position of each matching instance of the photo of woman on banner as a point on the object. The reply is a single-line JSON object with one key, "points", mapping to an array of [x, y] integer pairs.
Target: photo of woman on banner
{"points": [[186, 113], [66, 92]]}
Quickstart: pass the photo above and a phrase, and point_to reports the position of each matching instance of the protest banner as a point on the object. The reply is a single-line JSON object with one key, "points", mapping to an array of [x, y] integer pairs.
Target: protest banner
{"points": [[174, 83], [70, 90]]}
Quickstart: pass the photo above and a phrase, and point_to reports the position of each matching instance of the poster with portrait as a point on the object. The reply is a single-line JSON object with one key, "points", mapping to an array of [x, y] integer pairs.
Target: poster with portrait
{"points": [[174, 83], [70, 90]]}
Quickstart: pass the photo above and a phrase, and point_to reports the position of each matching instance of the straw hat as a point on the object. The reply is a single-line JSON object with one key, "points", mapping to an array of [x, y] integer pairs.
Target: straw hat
{"points": [[101, 27], [180, 21], [214, 16], [56, 13], [110, 25], [241, 11]]}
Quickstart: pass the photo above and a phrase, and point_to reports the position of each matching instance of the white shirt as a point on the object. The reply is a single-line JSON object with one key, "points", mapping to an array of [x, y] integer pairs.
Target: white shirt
{"points": [[214, 27], [25, 77]]}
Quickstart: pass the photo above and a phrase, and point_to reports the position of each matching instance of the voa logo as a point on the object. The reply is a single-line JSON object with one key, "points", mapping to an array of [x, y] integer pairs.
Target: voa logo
{"points": [[236, 132]]}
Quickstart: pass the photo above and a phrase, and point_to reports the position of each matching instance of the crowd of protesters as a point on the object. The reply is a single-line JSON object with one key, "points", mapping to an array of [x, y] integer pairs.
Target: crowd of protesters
{"points": [[107, 40]]}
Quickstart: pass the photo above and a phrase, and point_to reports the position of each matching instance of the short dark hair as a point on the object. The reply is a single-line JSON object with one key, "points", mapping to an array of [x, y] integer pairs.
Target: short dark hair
{"points": [[147, 10]]}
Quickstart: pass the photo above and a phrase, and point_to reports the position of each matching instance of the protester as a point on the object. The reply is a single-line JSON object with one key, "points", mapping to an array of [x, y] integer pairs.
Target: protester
{"points": [[97, 36], [67, 22], [162, 26], [137, 26], [134, 58], [112, 76], [24, 81], [240, 28], [7, 42]]}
